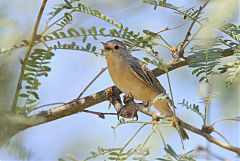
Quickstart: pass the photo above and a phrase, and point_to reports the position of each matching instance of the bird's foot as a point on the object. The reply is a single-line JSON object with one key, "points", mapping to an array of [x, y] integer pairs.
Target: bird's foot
{"points": [[126, 113], [128, 97], [207, 129], [130, 112], [147, 104], [157, 116], [174, 121], [109, 93]]}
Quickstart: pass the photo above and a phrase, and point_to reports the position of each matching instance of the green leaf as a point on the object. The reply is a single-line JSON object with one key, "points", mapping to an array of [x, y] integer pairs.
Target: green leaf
{"points": [[88, 47], [45, 74], [68, 16], [101, 31], [192, 107], [33, 64], [170, 151], [122, 121], [33, 93], [28, 78], [197, 70], [23, 95], [114, 153], [232, 30], [69, 5], [200, 72], [94, 48], [94, 32], [150, 33], [162, 159], [61, 159], [30, 69], [31, 101], [45, 69], [202, 78], [187, 13], [112, 158], [84, 34]]}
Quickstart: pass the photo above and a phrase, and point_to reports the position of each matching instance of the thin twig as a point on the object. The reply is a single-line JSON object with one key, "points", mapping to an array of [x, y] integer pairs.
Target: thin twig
{"points": [[224, 138], [90, 83], [190, 27], [168, 45], [31, 43], [192, 38], [210, 138], [100, 114], [171, 93], [149, 136], [226, 119], [161, 135], [134, 135]]}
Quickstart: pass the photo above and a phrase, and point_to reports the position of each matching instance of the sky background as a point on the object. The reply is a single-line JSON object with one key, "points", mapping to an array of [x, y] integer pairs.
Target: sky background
{"points": [[71, 71]]}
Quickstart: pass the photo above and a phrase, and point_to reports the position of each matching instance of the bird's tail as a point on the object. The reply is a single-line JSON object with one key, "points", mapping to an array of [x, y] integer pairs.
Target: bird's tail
{"points": [[183, 133], [163, 107]]}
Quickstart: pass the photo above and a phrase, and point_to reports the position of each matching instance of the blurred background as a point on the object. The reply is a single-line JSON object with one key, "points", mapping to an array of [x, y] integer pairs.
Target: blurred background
{"points": [[73, 70]]}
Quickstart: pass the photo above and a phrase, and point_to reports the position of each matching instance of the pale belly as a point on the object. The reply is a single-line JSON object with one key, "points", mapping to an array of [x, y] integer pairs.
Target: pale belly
{"points": [[128, 82]]}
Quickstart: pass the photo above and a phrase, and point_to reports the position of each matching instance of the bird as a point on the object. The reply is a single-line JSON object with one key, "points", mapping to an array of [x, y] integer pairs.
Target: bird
{"points": [[132, 77]]}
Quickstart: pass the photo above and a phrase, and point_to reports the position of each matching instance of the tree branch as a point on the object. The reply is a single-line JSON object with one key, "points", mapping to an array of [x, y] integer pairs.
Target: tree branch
{"points": [[29, 49], [90, 83], [209, 137], [156, 116]]}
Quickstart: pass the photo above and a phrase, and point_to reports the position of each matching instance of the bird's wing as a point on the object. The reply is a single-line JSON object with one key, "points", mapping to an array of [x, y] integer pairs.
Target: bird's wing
{"points": [[143, 73]]}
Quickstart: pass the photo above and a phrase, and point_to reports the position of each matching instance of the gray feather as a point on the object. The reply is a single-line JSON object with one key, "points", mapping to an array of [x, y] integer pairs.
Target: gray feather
{"points": [[143, 73]]}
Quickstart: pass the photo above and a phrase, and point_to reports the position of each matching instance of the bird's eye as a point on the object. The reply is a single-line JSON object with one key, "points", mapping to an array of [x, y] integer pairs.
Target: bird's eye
{"points": [[116, 47]]}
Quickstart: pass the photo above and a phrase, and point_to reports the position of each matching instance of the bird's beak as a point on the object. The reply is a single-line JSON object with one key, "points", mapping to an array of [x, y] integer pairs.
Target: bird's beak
{"points": [[106, 46]]}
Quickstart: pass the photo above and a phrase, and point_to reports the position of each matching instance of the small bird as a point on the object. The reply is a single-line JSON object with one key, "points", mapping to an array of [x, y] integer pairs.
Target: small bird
{"points": [[130, 76]]}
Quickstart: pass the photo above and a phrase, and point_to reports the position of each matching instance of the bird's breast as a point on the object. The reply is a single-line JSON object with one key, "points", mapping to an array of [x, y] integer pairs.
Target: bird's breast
{"points": [[127, 81]]}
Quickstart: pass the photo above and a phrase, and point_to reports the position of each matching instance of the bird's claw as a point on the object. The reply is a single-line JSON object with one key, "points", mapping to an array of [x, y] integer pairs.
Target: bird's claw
{"points": [[109, 93], [128, 97], [157, 116], [174, 121], [127, 113], [207, 129]]}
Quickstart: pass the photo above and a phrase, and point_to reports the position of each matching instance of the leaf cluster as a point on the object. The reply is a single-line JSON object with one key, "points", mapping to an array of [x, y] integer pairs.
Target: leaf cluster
{"points": [[233, 70], [173, 156], [187, 13], [36, 67], [205, 56], [139, 152], [192, 107], [232, 30]]}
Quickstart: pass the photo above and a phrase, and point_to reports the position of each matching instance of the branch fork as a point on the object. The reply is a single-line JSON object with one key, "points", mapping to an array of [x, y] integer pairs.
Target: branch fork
{"points": [[130, 109]]}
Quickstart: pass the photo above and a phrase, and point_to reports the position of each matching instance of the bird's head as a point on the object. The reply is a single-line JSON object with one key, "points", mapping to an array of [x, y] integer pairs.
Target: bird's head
{"points": [[114, 48]]}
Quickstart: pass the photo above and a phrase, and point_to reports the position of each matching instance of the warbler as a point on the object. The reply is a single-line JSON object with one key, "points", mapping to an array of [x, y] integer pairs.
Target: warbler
{"points": [[130, 76]]}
